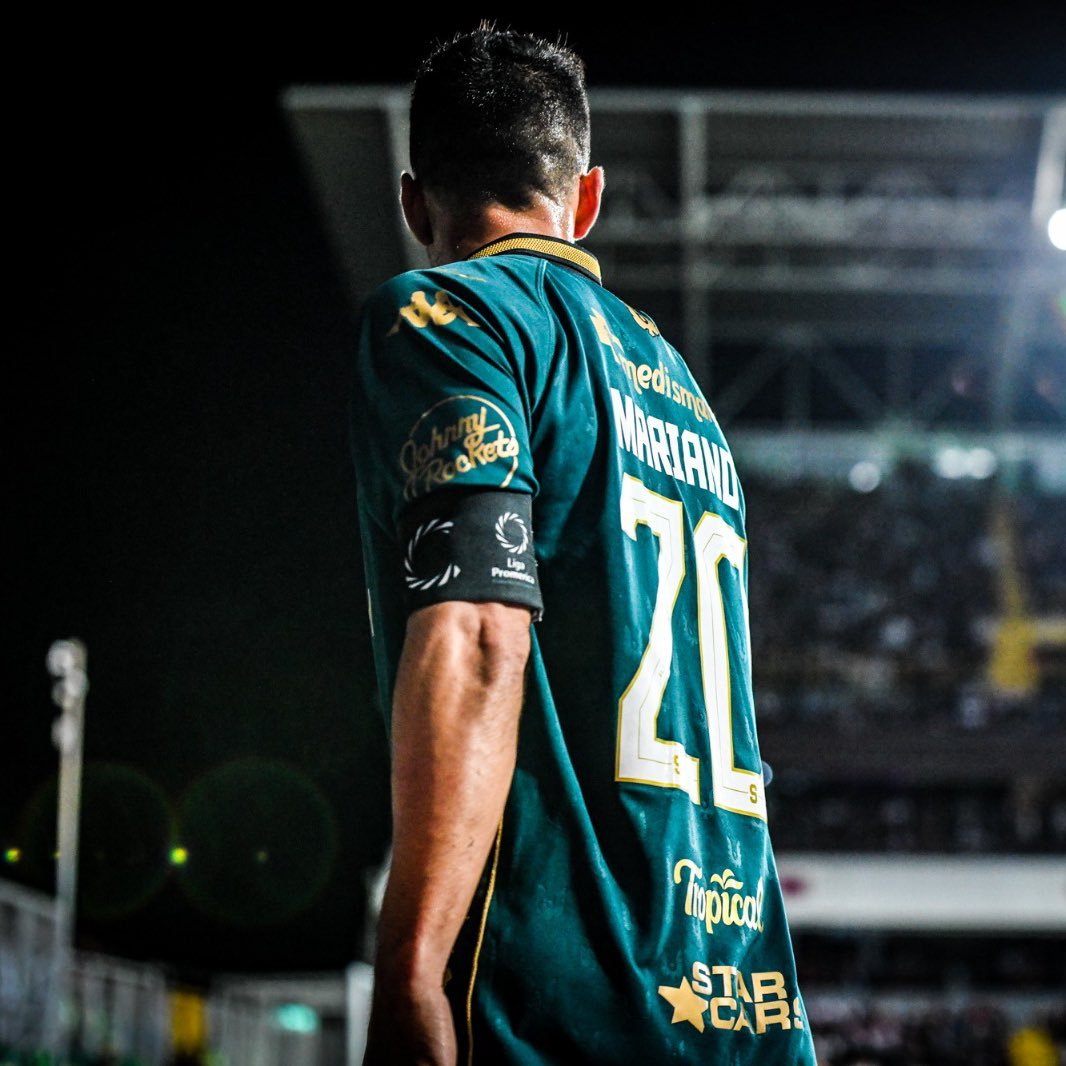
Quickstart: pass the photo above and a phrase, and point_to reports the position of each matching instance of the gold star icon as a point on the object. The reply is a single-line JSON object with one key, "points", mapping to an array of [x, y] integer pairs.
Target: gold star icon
{"points": [[688, 1007]]}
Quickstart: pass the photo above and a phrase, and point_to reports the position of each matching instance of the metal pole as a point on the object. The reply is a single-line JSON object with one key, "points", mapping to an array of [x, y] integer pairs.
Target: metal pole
{"points": [[67, 660], [696, 279]]}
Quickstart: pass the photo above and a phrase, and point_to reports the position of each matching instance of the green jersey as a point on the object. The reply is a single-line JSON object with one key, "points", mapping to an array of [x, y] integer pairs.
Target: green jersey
{"points": [[630, 910]]}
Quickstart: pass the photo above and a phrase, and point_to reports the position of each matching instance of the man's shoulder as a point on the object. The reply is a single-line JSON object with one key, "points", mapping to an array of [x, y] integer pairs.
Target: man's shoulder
{"points": [[479, 283], [482, 303]]}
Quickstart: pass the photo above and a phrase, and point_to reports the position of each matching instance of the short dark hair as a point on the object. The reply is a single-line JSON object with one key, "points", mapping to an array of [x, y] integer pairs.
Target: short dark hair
{"points": [[497, 117]]}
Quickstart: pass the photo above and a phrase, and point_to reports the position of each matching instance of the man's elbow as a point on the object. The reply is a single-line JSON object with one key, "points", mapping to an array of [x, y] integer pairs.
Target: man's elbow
{"points": [[502, 642], [490, 640]]}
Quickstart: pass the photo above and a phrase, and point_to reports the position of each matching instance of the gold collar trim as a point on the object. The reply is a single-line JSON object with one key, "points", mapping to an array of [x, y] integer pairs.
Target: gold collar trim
{"points": [[554, 248]]}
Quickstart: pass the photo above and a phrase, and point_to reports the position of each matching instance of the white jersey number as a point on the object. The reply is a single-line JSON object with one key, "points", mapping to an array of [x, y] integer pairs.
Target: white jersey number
{"points": [[642, 756]]}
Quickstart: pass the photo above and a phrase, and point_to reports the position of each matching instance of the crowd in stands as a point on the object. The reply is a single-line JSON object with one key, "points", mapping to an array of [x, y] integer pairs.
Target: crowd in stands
{"points": [[1042, 522], [878, 611], [867, 605], [972, 1001], [815, 815], [902, 571], [978, 1034], [881, 962]]}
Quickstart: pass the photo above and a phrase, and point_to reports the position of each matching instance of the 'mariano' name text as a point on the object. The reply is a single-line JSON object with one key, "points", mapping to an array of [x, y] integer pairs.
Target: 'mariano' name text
{"points": [[684, 455]]}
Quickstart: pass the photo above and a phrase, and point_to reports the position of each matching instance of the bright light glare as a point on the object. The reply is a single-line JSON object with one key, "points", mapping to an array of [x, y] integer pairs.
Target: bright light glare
{"points": [[982, 463], [1056, 229], [952, 463], [955, 463], [296, 1018], [179, 856], [865, 476]]}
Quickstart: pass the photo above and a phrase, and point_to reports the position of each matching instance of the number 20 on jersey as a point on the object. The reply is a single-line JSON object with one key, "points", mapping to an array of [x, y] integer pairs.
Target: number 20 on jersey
{"points": [[642, 756]]}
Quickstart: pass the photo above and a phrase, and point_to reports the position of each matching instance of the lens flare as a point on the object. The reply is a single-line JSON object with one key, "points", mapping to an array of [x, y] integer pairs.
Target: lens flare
{"points": [[264, 840], [1056, 229]]}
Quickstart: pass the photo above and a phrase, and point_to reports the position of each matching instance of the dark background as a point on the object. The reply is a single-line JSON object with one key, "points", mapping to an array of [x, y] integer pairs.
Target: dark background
{"points": [[181, 491]]}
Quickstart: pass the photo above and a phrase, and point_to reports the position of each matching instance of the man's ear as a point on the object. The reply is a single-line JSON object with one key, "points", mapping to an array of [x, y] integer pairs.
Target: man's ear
{"points": [[415, 212], [589, 196]]}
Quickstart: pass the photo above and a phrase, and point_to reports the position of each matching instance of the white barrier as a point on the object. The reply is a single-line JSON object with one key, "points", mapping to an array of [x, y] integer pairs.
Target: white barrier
{"points": [[936, 894], [27, 932], [120, 1008], [278, 1020], [116, 1007]]}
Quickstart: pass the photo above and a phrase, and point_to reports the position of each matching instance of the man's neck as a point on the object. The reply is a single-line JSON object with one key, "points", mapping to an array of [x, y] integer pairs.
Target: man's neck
{"points": [[456, 238]]}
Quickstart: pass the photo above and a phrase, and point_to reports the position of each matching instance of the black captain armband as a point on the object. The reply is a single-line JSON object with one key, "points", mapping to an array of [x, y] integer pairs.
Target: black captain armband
{"points": [[470, 545]]}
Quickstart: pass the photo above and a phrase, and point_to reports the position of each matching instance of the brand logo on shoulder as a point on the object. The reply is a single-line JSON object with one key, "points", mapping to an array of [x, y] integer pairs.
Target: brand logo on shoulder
{"points": [[434, 527], [644, 376], [456, 437], [644, 321], [421, 313]]}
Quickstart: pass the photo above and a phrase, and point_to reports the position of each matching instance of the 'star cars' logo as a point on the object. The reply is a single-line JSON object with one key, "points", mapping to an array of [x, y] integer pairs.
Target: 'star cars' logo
{"points": [[456, 437]]}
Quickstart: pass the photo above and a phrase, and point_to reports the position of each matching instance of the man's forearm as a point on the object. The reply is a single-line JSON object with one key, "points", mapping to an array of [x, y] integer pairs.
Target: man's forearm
{"points": [[455, 718]]}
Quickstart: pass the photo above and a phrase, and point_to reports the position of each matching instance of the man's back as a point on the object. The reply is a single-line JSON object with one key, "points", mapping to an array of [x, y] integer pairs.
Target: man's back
{"points": [[629, 911]]}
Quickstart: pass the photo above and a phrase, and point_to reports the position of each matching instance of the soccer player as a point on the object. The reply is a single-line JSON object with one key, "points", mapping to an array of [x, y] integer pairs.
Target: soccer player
{"points": [[554, 542]]}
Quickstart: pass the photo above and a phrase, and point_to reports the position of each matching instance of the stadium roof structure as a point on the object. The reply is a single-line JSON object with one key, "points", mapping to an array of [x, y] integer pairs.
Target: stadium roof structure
{"points": [[819, 259]]}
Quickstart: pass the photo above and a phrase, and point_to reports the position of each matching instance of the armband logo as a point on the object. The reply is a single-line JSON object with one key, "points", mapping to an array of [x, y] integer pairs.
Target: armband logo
{"points": [[421, 313], [434, 527], [457, 437], [512, 533]]}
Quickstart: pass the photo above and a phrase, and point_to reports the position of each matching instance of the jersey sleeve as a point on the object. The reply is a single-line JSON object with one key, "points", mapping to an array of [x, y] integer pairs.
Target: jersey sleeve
{"points": [[440, 439]]}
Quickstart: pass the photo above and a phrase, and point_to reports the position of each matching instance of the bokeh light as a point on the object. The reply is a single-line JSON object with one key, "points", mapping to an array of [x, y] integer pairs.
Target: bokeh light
{"points": [[864, 476], [126, 827], [982, 463], [952, 463], [263, 841], [296, 1018], [955, 463]]}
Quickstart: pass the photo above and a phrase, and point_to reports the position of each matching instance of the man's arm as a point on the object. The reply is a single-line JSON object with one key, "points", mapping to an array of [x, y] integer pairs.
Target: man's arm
{"points": [[458, 697]]}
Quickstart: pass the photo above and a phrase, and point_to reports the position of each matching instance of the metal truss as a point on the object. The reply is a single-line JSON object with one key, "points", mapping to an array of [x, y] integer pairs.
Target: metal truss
{"points": [[887, 251], [798, 229]]}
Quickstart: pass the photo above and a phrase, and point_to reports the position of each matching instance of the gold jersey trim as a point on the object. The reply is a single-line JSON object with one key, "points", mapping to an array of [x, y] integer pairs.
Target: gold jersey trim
{"points": [[477, 948], [554, 248]]}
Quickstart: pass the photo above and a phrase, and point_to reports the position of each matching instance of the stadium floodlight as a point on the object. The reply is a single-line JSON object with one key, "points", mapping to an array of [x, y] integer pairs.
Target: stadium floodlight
{"points": [[67, 662], [1056, 229]]}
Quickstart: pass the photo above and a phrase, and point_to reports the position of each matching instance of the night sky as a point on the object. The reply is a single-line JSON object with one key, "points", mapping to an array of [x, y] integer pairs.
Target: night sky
{"points": [[182, 495]]}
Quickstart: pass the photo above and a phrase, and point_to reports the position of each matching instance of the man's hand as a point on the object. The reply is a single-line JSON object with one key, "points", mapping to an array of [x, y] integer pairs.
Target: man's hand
{"points": [[455, 714], [413, 1026]]}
